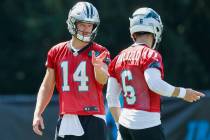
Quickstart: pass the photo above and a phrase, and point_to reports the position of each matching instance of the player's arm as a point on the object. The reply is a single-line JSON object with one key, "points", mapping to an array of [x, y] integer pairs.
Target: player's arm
{"points": [[159, 86], [100, 68], [113, 92], [101, 75], [43, 98]]}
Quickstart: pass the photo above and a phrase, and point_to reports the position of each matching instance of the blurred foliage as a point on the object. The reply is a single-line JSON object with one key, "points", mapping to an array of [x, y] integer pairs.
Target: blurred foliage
{"points": [[30, 28]]}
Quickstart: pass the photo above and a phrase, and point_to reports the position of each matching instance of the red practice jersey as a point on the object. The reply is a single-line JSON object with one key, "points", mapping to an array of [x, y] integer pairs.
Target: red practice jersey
{"points": [[128, 68], [79, 92]]}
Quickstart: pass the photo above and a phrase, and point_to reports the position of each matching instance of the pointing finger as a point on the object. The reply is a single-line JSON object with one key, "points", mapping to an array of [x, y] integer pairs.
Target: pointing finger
{"points": [[102, 55], [93, 54], [199, 94]]}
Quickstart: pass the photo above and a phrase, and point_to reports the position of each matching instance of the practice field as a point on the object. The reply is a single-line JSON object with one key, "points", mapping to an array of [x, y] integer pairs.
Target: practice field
{"points": [[181, 121]]}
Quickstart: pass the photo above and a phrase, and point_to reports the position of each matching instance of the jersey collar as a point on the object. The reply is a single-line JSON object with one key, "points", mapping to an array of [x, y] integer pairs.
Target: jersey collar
{"points": [[79, 51]]}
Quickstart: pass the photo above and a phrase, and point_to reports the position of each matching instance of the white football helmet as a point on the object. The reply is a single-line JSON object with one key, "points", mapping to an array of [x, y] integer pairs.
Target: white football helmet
{"points": [[83, 12], [146, 20]]}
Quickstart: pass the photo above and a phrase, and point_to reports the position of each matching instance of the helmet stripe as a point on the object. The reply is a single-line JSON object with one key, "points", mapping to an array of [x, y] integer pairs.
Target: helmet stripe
{"points": [[87, 9], [91, 8]]}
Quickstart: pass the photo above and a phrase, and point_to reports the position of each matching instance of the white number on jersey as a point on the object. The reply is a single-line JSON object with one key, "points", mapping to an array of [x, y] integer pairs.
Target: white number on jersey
{"points": [[65, 86], [78, 76], [131, 98]]}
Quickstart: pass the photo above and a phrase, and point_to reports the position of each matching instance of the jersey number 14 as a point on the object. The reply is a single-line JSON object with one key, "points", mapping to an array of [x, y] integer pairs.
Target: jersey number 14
{"points": [[78, 76]]}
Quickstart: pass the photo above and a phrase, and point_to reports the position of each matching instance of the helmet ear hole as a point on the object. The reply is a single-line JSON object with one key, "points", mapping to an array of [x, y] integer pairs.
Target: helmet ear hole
{"points": [[157, 29], [94, 26]]}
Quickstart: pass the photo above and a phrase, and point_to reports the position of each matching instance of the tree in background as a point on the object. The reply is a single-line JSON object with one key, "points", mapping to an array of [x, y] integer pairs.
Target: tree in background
{"points": [[30, 28]]}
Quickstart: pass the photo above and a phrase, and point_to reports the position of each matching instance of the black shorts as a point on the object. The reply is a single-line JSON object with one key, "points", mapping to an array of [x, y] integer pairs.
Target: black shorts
{"points": [[153, 133], [94, 128]]}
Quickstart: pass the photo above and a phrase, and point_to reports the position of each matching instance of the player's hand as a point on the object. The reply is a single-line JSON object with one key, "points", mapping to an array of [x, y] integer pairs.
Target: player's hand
{"points": [[98, 61], [192, 95], [38, 124]]}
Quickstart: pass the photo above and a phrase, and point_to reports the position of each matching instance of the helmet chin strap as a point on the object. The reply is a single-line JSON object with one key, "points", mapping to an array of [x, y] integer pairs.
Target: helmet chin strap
{"points": [[155, 42], [154, 45]]}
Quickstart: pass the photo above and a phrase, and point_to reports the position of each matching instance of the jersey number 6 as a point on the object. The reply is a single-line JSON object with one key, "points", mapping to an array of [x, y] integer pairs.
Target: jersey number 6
{"points": [[131, 97]]}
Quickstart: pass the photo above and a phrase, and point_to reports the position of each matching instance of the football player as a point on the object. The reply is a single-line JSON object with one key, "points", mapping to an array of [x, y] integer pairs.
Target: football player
{"points": [[138, 73], [78, 68]]}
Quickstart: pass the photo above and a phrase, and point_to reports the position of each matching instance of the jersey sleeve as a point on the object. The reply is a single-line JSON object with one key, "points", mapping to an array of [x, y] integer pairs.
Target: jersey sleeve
{"points": [[152, 59], [50, 59], [113, 92]]}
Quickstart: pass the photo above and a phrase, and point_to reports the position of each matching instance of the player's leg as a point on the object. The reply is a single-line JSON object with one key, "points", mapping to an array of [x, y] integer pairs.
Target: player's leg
{"points": [[68, 137], [94, 127], [124, 132], [154, 133]]}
